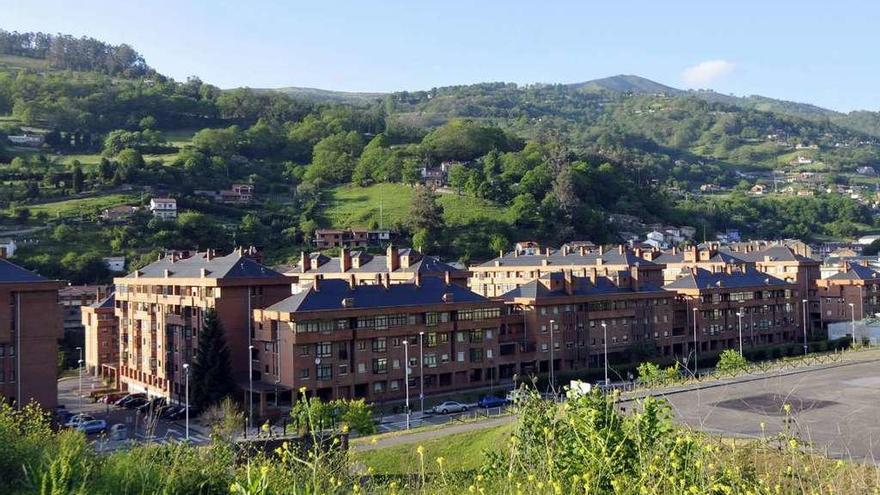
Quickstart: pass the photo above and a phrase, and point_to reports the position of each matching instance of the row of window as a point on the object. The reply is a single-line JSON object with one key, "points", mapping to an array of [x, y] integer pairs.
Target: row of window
{"points": [[7, 350], [381, 366], [382, 322]]}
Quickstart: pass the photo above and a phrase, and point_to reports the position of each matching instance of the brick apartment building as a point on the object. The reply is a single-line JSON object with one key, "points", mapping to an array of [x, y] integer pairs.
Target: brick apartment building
{"points": [[400, 265], [856, 284], [505, 273], [29, 346], [351, 238], [101, 337], [72, 299], [771, 309], [342, 339], [636, 314], [161, 310]]}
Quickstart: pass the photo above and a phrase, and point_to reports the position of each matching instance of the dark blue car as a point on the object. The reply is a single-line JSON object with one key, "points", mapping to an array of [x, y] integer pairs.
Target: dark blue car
{"points": [[492, 401]]}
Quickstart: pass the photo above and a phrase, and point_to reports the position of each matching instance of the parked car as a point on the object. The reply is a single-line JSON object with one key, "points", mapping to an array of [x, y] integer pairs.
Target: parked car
{"points": [[180, 413], [119, 432], [492, 401], [63, 416], [92, 426], [135, 403], [78, 419], [449, 406], [123, 402], [112, 397], [152, 405]]}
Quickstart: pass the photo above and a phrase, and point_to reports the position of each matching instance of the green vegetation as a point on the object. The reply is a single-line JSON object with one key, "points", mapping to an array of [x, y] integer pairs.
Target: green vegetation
{"points": [[459, 451], [82, 208], [584, 445], [731, 362]]}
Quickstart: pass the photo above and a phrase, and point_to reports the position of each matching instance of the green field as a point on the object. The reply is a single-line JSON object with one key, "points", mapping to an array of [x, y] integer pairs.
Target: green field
{"points": [[460, 452], [73, 208], [360, 206]]}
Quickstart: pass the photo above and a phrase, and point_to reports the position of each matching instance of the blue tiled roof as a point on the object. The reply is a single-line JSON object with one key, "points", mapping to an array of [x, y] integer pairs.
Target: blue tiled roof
{"points": [[557, 259], [704, 279], [331, 293], [536, 289], [856, 272], [107, 302], [233, 265], [10, 273]]}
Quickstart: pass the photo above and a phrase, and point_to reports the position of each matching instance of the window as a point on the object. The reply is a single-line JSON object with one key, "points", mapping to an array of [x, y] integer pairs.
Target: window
{"points": [[324, 349], [343, 369], [394, 384], [379, 344], [395, 364], [395, 341], [380, 366], [304, 374], [324, 372], [460, 356], [362, 345], [379, 387], [431, 360], [431, 340], [362, 368], [476, 355], [476, 336]]}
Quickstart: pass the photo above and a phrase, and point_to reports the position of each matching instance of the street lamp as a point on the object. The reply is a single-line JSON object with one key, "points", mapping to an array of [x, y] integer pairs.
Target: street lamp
{"points": [[740, 316], [852, 307], [406, 377], [805, 326], [186, 387], [552, 388], [79, 364], [421, 373], [250, 386], [696, 367], [605, 344]]}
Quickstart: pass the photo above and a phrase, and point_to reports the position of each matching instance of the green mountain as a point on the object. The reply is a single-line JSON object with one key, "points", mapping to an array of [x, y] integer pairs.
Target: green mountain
{"points": [[626, 84], [324, 95]]}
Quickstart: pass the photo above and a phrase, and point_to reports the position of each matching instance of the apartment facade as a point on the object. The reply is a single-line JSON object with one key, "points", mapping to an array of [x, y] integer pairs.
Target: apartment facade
{"points": [[709, 304], [101, 337], [351, 238], [342, 339], [161, 309], [566, 317], [397, 265], [507, 272], [31, 318], [852, 293]]}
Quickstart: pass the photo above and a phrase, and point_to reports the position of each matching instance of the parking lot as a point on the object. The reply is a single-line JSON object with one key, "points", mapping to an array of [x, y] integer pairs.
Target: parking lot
{"points": [[836, 408], [162, 432]]}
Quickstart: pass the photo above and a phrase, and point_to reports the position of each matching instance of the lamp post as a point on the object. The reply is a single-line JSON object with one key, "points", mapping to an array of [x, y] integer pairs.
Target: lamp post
{"points": [[852, 307], [250, 386], [696, 366], [552, 388], [406, 377], [804, 302], [186, 387], [740, 316], [421, 373], [79, 365], [605, 345]]}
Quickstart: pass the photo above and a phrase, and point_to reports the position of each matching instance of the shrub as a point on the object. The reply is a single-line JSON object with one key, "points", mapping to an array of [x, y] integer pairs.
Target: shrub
{"points": [[730, 362]]}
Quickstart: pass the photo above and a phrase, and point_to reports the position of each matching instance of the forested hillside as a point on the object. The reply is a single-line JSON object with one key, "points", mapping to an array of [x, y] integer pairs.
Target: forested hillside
{"points": [[551, 162]]}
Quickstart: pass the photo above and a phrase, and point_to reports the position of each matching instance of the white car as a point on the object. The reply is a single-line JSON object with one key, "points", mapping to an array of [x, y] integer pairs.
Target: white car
{"points": [[92, 426], [78, 420], [449, 406]]}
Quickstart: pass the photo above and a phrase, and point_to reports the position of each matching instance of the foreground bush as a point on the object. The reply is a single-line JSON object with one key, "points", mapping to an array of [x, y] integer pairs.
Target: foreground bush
{"points": [[585, 445]]}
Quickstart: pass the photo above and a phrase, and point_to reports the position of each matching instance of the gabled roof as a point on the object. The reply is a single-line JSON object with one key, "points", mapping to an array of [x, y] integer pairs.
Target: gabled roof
{"points": [[857, 272], [379, 263], [704, 279], [107, 303], [774, 253], [233, 265], [582, 286], [10, 273], [332, 292], [557, 259]]}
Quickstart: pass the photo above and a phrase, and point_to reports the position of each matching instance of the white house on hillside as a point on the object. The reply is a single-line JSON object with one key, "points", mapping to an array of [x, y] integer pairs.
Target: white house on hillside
{"points": [[164, 208]]}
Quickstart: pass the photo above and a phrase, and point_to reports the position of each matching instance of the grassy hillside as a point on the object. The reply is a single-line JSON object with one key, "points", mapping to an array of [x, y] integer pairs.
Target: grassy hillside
{"points": [[460, 452], [350, 206], [73, 208]]}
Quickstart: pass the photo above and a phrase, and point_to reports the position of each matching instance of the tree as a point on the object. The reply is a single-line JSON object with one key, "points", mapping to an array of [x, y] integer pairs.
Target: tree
{"points": [[334, 158], [425, 212], [77, 179], [211, 378], [498, 243], [731, 362], [872, 249]]}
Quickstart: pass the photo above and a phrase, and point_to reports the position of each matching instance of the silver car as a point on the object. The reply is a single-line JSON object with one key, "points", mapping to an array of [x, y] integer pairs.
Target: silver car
{"points": [[449, 406]]}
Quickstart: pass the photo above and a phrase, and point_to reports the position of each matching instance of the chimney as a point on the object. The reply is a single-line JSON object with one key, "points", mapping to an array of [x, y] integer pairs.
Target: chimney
{"points": [[344, 260], [599, 261], [635, 278], [601, 249], [386, 281], [865, 263], [305, 262], [352, 281], [621, 249], [167, 273], [209, 253], [392, 258], [565, 249], [674, 250], [690, 254], [846, 266], [583, 250], [569, 282], [418, 279], [316, 283], [204, 272], [728, 269], [448, 297], [594, 274], [447, 277]]}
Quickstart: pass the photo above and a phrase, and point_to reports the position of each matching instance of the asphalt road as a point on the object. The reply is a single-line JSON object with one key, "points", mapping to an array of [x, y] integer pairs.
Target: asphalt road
{"points": [[836, 408]]}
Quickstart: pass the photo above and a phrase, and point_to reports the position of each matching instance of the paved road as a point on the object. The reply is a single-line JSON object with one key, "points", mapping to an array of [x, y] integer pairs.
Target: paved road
{"points": [[837, 408]]}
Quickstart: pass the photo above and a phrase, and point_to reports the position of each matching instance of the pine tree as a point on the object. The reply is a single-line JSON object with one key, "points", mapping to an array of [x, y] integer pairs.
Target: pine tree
{"points": [[212, 371]]}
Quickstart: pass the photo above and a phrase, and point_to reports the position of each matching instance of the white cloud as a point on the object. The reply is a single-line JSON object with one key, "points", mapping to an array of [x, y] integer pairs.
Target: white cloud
{"points": [[705, 73]]}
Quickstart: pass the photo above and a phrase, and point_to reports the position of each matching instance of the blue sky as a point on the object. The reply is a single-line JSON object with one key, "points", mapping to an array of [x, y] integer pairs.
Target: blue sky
{"points": [[821, 53]]}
